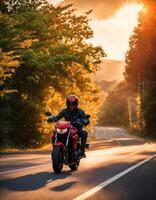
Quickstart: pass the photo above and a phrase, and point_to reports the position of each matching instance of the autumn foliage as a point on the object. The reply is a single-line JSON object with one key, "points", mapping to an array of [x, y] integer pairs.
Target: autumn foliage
{"points": [[141, 67], [44, 57], [133, 102]]}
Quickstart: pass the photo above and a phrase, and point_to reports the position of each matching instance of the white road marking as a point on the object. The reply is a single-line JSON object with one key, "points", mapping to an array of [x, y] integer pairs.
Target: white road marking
{"points": [[24, 168], [111, 180]]}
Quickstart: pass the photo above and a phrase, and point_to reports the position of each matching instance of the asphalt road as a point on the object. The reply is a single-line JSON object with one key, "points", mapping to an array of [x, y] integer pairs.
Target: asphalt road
{"points": [[120, 167]]}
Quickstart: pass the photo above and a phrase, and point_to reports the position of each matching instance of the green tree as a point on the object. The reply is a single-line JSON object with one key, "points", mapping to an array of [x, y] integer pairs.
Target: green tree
{"points": [[114, 111], [51, 43], [9, 62]]}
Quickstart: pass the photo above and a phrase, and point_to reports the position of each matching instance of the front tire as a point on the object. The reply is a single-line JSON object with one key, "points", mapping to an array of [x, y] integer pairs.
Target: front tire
{"points": [[75, 165], [57, 159]]}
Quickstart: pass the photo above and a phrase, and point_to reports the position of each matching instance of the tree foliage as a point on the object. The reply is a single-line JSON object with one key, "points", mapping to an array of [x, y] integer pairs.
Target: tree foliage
{"points": [[114, 111], [48, 44], [141, 64]]}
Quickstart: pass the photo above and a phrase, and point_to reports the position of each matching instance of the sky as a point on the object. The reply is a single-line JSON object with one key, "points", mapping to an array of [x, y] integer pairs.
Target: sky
{"points": [[113, 22]]}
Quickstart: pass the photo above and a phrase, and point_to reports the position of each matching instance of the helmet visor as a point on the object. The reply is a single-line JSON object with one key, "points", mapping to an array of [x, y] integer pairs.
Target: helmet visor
{"points": [[72, 105]]}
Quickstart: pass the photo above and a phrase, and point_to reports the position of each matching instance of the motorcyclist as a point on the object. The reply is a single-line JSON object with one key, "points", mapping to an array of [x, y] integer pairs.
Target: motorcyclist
{"points": [[72, 113]]}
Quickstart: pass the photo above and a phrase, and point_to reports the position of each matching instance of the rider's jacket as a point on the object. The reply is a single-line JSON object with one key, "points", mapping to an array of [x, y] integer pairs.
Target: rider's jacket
{"points": [[71, 116]]}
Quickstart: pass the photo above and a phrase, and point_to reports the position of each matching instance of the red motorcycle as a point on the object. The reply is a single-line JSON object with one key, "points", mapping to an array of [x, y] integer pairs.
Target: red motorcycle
{"points": [[66, 145]]}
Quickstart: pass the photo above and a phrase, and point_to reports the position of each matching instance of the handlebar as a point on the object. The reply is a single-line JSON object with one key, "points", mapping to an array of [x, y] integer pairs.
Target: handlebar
{"points": [[82, 121]]}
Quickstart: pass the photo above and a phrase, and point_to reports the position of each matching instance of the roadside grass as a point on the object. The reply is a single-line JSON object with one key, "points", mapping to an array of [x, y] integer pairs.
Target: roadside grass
{"points": [[17, 149]]}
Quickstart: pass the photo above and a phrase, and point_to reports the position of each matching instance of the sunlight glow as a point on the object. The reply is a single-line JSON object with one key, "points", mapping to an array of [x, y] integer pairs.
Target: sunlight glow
{"points": [[113, 34], [55, 2]]}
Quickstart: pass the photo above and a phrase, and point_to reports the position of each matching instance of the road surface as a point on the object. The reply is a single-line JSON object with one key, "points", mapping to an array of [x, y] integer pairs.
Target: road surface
{"points": [[120, 167]]}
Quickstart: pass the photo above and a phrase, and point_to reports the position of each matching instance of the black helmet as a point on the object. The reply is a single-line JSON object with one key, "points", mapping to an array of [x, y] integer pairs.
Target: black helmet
{"points": [[72, 102]]}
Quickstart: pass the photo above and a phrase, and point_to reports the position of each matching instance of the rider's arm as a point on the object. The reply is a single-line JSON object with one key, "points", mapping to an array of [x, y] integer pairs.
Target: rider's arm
{"points": [[57, 117], [84, 119]]}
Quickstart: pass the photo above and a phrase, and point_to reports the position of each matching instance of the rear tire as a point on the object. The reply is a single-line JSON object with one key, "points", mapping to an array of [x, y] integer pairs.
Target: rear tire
{"points": [[57, 159]]}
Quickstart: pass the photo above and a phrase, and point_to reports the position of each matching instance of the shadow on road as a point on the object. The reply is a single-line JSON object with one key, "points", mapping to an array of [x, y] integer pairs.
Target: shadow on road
{"points": [[63, 187], [125, 187], [33, 181]]}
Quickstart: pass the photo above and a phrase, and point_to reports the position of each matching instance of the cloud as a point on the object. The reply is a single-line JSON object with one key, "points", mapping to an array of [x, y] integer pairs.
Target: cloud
{"points": [[102, 9]]}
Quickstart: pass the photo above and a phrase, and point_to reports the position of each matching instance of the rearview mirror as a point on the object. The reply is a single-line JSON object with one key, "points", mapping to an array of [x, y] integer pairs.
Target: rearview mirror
{"points": [[87, 146], [87, 116], [48, 114]]}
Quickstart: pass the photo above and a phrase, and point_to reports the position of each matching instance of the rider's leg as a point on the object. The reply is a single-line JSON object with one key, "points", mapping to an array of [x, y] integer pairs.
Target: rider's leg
{"points": [[53, 137], [83, 135]]}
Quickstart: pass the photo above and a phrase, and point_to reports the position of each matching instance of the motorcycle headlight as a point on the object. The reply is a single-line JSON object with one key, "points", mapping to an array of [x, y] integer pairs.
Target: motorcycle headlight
{"points": [[58, 130], [62, 131]]}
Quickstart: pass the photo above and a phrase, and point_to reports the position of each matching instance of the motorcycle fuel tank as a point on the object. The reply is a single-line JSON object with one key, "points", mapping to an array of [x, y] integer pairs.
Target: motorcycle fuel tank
{"points": [[63, 124]]}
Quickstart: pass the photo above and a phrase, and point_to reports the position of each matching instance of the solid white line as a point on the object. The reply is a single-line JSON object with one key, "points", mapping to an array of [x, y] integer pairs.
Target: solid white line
{"points": [[111, 180], [21, 169]]}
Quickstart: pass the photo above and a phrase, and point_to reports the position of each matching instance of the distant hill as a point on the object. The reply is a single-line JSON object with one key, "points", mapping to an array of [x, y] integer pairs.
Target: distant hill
{"points": [[107, 86], [111, 70]]}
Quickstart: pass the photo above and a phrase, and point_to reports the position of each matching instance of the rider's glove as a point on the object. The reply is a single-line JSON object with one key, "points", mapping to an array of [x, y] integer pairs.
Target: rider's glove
{"points": [[51, 119], [84, 121]]}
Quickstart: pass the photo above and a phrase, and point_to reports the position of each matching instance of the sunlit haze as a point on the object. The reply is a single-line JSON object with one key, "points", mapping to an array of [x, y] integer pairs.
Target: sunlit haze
{"points": [[55, 1], [113, 33]]}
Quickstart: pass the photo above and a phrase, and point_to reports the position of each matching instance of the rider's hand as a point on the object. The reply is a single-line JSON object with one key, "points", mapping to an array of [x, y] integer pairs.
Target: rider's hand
{"points": [[51, 119], [85, 121]]}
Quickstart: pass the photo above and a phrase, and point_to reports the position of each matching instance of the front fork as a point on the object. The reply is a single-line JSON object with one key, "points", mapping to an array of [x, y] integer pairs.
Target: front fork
{"points": [[54, 138], [65, 148]]}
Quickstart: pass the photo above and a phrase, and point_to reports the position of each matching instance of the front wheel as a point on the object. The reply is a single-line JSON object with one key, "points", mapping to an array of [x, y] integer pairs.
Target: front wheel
{"points": [[75, 165], [57, 159]]}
